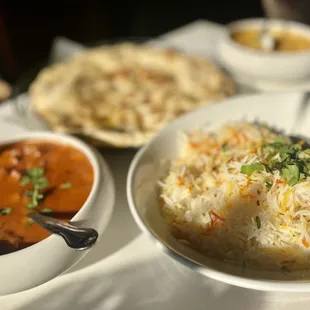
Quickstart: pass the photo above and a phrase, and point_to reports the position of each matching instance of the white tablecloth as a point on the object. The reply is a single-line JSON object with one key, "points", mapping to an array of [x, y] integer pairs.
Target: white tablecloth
{"points": [[126, 270]]}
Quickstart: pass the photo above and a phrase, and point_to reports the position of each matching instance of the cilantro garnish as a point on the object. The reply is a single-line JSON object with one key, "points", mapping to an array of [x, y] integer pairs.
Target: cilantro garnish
{"points": [[249, 169], [5, 211], [291, 161], [268, 184], [36, 178], [291, 173]]}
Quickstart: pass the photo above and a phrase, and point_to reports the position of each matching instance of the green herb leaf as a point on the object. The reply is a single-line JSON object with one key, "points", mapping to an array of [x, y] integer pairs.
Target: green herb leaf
{"points": [[46, 210], [32, 205], [258, 222], [280, 139], [249, 169], [282, 148], [40, 196], [35, 172], [25, 180], [293, 163], [65, 185], [5, 211], [303, 167], [268, 168], [291, 173], [28, 194], [268, 184], [41, 183], [284, 156], [36, 177]]}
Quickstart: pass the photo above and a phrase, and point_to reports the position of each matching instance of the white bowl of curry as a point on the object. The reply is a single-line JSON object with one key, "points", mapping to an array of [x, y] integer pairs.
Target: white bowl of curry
{"points": [[59, 176], [241, 50]]}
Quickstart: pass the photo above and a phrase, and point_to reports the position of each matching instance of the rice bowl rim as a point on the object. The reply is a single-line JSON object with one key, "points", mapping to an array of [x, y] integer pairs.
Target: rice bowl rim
{"points": [[246, 282]]}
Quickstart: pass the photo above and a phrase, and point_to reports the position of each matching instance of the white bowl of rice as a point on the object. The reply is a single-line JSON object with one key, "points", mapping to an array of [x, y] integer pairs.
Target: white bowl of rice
{"points": [[227, 197]]}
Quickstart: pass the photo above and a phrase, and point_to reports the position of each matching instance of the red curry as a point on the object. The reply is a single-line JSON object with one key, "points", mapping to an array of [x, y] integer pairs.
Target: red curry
{"points": [[44, 176]]}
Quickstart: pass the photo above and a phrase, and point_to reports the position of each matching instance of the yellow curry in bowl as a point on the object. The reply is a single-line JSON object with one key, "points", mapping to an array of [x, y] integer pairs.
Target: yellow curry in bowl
{"points": [[286, 41], [38, 175]]}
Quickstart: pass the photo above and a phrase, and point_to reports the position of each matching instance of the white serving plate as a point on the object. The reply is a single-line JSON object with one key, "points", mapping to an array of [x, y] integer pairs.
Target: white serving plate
{"points": [[277, 110]]}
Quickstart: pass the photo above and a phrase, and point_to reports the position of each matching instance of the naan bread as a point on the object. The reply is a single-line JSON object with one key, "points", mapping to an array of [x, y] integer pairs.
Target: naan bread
{"points": [[122, 94]]}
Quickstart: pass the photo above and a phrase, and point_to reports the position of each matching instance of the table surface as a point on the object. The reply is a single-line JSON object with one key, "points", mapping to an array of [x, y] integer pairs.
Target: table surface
{"points": [[126, 270]]}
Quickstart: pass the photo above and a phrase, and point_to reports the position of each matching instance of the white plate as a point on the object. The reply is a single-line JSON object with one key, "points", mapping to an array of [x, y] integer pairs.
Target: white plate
{"points": [[278, 110]]}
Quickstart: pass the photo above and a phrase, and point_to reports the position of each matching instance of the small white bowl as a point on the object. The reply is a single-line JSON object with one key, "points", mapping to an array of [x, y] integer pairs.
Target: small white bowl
{"points": [[278, 110], [287, 67], [50, 257]]}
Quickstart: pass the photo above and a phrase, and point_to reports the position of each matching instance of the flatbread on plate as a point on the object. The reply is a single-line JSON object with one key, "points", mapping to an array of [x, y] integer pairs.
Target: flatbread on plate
{"points": [[122, 94]]}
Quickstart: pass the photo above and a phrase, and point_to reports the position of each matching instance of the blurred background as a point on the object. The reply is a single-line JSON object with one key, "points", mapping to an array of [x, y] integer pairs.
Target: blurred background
{"points": [[27, 28]]}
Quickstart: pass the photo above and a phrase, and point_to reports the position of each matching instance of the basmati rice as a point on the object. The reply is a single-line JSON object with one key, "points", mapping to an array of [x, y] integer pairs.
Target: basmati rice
{"points": [[221, 197]]}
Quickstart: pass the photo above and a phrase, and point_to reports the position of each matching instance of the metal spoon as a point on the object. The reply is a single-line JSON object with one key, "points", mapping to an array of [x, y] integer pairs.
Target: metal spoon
{"points": [[76, 238], [267, 40]]}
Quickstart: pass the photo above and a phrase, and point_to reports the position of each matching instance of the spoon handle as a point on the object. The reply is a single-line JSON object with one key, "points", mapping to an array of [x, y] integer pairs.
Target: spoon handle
{"points": [[75, 237]]}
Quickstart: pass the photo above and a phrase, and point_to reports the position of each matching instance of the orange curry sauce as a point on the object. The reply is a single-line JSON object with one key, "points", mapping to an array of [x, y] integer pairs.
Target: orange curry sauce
{"points": [[70, 178]]}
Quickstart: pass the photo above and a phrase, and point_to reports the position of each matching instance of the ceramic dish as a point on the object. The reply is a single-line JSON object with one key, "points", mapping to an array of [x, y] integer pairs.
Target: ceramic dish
{"points": [[282, 67], [146, 169], [50, 257]]}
